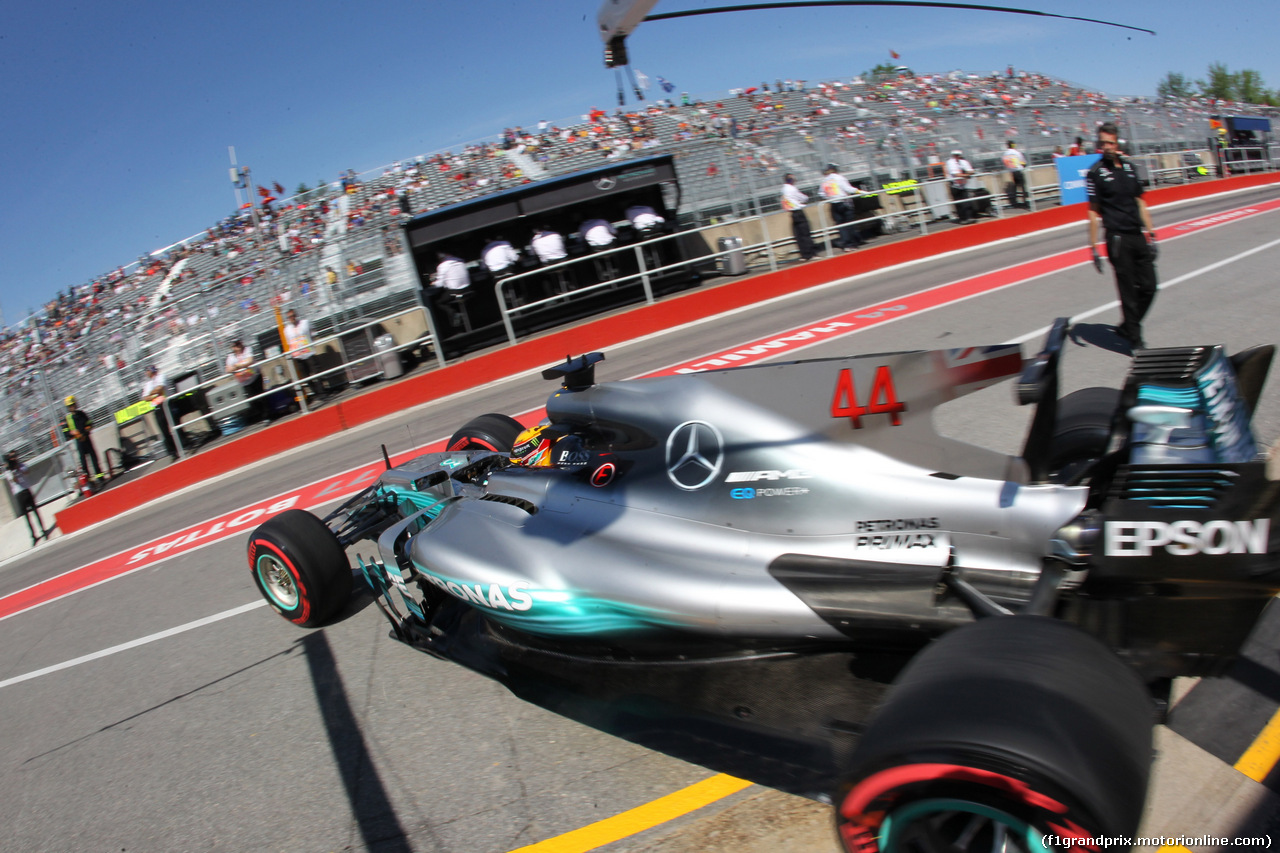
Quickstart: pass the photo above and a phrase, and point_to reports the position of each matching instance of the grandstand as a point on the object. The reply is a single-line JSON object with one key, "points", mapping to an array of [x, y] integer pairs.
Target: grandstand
{"points": [[336, 253]]}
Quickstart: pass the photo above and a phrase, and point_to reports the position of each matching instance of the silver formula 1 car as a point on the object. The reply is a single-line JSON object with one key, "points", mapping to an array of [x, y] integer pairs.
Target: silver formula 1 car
{"points": [[785, 573]]}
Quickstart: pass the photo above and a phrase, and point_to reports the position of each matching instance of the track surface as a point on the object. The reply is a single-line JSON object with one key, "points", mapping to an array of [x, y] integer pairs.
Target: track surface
{"points": [[247, 734]]}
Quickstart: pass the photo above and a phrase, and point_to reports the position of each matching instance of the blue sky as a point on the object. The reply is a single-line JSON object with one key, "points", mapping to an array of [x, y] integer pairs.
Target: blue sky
{"points": [[118, 116]]}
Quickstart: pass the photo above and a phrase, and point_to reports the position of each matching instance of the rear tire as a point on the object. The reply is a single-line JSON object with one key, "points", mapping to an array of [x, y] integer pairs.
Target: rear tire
{"points": [[1009, 728], [300, 568], [487, 432], [1082, 431]]}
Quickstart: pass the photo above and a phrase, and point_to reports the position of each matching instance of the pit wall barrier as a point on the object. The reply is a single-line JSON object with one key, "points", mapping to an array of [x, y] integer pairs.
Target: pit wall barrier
{"points": [[598, 334]]}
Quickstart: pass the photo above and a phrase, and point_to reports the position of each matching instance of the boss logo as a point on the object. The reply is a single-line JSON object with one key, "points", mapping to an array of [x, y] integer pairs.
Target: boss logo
{"points": [[573, 458], [1185, 538]]}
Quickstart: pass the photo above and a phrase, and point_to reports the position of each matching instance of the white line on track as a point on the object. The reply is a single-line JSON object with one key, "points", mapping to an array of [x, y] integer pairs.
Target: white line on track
{"points": [[133, 644], [1170, 283], [236, 611]]}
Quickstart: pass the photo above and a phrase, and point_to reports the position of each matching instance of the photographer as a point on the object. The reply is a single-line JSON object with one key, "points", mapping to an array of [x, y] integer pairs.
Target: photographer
{"points": [[15, 473]]}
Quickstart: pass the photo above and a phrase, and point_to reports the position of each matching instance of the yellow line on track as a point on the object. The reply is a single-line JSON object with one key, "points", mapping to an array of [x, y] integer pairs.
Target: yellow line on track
{"points": [[1256, 762], [639, 819], [1261, 756]]}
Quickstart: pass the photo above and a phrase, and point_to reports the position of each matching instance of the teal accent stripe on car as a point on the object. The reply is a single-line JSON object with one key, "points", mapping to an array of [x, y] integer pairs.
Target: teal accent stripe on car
{"points": [[582, 617], [1186, 398], [553, 611]]}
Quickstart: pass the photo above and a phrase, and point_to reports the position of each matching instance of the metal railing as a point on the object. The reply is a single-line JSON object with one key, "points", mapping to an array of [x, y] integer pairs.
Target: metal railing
{"points": [[1245, 159], [504, 287], [54, 462], [511, 308], [288, 378], [191, 328]]}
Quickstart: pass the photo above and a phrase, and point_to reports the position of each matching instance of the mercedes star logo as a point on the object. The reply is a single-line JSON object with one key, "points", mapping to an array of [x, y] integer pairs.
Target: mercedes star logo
{"points": [[695, 452]]}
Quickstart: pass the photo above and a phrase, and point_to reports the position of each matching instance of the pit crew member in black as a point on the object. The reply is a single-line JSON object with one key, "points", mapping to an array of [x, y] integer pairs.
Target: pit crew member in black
{"points": [[1115, 200]]}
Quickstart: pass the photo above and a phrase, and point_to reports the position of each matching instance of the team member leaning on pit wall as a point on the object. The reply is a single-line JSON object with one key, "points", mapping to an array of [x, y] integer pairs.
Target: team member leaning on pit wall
{"points": [[794, 201]]}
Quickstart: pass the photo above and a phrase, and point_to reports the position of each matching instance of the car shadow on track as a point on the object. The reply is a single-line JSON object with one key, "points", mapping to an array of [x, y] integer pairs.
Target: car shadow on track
{"points": [[163, 704], [370, 803], [1101, 335]]}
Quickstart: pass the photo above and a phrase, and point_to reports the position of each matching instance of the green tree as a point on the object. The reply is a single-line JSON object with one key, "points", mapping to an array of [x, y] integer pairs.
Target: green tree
{"points": [[1220, 83], [879, 72], [303, 192], [1174, 85], [1249, 87]]}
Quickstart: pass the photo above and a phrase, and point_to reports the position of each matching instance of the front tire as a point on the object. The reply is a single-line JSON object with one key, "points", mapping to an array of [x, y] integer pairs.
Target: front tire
{"points": [[1004, 731], [487, 432], [300, 568]]}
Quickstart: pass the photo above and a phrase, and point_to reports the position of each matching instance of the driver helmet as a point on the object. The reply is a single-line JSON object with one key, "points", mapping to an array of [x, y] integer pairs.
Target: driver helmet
{"points": [[533, 447]]}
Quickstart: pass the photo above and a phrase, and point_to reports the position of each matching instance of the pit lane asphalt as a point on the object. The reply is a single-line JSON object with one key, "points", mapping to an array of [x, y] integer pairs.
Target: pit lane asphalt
{"points": [[249, 734]]}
